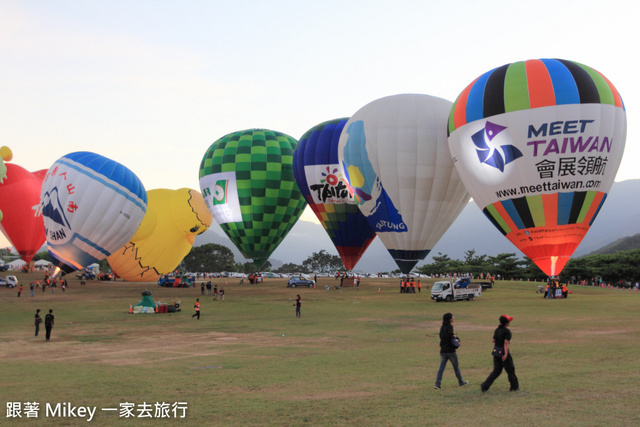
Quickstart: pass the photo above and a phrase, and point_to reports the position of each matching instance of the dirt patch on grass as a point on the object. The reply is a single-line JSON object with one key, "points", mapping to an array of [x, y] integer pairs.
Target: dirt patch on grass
{"points": [[133, 349]]}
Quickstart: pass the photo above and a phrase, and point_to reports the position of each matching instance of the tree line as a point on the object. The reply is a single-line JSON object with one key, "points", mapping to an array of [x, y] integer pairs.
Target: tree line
{"points": [[623, 266]]}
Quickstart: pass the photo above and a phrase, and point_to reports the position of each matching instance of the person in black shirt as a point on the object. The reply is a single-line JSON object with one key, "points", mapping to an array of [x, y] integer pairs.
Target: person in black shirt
{"points": [[38, 320], [502, 339], [448, 351], [298, 306], [48, 323]]}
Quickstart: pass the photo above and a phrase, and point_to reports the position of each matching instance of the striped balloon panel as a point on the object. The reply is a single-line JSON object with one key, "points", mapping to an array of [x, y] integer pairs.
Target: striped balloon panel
{"points": [[547, 228], [545, 210], [531, 84]]}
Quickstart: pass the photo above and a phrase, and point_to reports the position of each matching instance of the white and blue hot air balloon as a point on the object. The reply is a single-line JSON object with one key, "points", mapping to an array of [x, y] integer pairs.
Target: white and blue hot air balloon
{"points": [[395, 158], [91, 206]]}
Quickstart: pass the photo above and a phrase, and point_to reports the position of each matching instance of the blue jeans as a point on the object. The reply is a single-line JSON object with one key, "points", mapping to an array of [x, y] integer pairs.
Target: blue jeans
{"points": [[453, 357]]}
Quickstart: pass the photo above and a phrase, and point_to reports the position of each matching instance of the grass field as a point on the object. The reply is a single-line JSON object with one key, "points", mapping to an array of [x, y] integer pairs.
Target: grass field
{"points": [[356, 357]]}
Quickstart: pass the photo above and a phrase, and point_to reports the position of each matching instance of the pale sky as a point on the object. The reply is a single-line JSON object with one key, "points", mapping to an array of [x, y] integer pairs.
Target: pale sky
{"points": [[153, 83]]}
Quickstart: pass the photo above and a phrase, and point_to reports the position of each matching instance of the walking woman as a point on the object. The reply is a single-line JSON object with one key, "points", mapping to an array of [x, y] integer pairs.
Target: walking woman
{"points": [[448, 351], [502, 356]]}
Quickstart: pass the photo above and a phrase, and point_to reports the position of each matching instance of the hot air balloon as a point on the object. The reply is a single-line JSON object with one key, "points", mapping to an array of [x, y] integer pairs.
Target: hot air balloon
{"points": [[317, 172], [538, 144], [174, 218], [91, 206], [5, 156], [20, 203], [394, 154], [247, 182]]}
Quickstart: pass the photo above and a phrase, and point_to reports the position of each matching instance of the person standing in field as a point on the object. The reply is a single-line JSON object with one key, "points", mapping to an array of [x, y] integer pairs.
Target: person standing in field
{"points": [[221, 294], [502, 357], [448, 351], [19, 291], [48, 323], [38, 321], [196, 306], [298, 306]]}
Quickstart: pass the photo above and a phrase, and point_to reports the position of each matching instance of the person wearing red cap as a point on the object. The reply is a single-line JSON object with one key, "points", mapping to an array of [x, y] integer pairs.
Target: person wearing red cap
{"points": [[502, 341]]}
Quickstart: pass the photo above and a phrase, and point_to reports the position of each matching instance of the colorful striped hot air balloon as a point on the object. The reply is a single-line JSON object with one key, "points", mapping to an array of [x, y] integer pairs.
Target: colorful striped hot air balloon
{"points": [[317, 172], [538, 144], [247, 182]]}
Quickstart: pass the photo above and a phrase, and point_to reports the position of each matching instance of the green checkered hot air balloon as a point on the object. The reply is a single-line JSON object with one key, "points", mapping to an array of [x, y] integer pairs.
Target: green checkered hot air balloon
{"points": [[247, 181]]}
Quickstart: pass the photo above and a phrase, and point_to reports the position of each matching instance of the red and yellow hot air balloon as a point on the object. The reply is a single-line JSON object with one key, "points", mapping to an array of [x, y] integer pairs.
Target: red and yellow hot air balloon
{"points": [[537, 144]]}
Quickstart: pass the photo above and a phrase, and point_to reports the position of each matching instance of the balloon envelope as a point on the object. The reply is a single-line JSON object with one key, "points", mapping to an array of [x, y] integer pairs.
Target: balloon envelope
{"points": [[91, 206], [165, 236], [247, 182], [20, 203], [538, 144], [317, 171], [394, 154]]}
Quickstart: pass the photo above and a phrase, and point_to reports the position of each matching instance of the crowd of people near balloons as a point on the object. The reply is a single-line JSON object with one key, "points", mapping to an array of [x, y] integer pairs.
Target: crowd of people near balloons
{"points": [[50, 282]]}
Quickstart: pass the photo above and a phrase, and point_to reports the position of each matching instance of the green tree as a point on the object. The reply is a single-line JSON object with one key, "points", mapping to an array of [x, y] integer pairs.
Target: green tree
{"points": [[475, 264], [289, 268], [322, 262], [104, 265], [251, 267], [41, 255], [440, 265], [506, 265], [209, 258]]}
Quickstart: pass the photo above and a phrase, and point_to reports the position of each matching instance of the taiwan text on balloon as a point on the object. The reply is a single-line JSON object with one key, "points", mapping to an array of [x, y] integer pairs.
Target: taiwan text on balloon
{"points": [[538, 144], [317, 172]]}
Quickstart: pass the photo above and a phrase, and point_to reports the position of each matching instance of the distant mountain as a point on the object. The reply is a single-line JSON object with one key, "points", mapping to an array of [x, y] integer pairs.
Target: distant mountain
{"points": [[623, 244], [618, 218]]}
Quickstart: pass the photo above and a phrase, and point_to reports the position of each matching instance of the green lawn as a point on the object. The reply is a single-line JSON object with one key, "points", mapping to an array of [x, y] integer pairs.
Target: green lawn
{"points": [[356, 357]]}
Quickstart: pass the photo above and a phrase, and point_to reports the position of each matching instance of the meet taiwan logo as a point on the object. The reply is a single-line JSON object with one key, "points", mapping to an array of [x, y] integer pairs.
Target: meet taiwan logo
{"points": [[492, 153], [332, 187]]}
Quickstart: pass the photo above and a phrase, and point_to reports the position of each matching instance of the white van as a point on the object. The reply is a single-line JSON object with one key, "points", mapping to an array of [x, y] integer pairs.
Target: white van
{"points": [[9, 282]]}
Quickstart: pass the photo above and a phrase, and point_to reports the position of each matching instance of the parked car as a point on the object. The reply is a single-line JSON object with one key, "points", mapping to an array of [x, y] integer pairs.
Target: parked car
{"points": [[447, 291], [105, 276], [87, 273], [9, 282], [295, 281]]}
